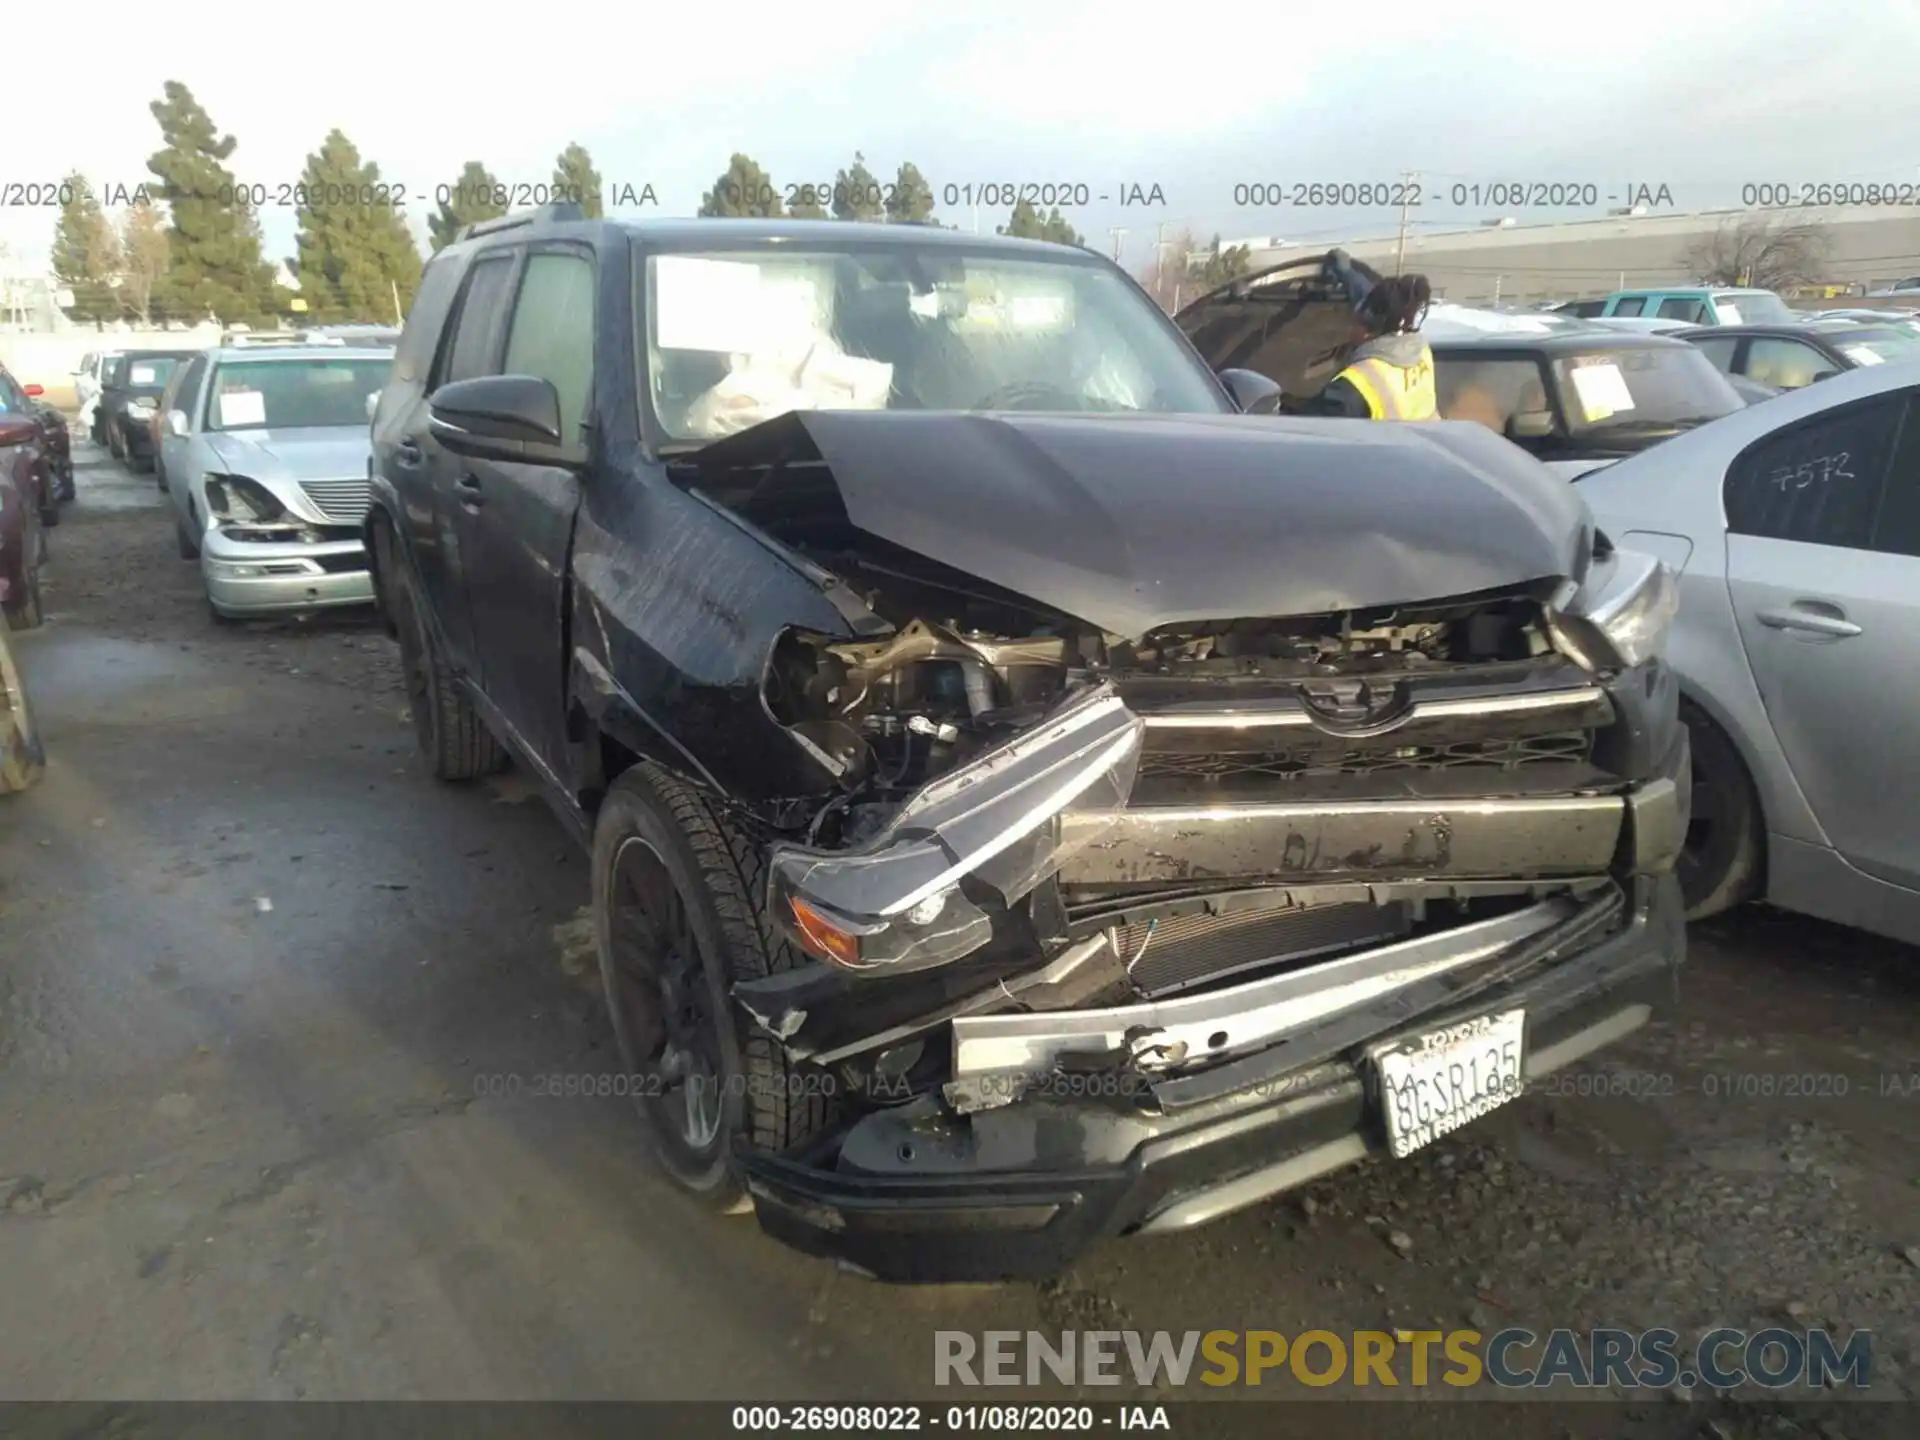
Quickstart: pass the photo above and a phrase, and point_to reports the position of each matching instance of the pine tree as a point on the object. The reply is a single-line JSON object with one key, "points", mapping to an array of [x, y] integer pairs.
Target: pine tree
{"points": [[214, 264], [744, 189], [86, 252], [1028, 223], [911, 202], [857, 194], [575, 179], [354, 250], [144, 251], [474, 197], [806, 205]]}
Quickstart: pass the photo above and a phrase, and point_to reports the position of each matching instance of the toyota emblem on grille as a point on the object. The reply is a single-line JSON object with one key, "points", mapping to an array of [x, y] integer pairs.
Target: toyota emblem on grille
{"points": [[1354, 704]]}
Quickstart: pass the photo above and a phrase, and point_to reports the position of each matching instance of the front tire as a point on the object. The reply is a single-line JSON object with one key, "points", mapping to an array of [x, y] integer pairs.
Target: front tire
{"points": [[678, 920], [1720, 864], [454, 741]]}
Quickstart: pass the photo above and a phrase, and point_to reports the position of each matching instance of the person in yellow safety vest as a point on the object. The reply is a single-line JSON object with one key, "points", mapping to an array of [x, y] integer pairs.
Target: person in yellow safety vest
{"points": [[1389, 371]]}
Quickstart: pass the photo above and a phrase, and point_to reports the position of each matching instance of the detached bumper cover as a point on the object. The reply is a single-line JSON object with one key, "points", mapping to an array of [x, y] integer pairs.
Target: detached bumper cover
{"points": [[1018, 1191]]}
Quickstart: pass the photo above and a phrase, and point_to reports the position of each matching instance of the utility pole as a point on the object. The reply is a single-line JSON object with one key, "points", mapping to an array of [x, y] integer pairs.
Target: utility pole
{"points": [[1407, 179], [1119, 234]]}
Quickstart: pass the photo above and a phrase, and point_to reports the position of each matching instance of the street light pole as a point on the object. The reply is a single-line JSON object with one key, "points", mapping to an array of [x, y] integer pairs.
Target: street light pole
{"points": [[1407, 179]]}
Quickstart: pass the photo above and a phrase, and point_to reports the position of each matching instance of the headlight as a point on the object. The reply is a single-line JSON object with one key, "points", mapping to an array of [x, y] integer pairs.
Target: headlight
{"points": [[140, 409], [1005, 821], [236, 498], [1622, 617]]}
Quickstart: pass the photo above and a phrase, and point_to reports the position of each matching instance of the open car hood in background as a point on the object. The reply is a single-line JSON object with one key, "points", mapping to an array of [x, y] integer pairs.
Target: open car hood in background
{"points": [[1133, 522], [1286, 322]]}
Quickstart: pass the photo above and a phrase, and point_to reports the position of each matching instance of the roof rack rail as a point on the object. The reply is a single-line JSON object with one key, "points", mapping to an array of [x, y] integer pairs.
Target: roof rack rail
{"points": [[557, 212]]}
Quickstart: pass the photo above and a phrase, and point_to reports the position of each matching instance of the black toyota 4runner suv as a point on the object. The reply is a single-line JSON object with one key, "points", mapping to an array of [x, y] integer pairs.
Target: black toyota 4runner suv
{"points": [[1029, 799]]}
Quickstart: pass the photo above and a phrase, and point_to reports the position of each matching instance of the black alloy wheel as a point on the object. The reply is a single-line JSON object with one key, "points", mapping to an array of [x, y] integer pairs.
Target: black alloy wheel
{"points": [[1720, 862], [663, 1012]]}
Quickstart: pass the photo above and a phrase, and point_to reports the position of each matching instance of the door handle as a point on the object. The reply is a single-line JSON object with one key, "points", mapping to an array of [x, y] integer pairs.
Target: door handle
{"points": [[1811, 622], [470, 493]]}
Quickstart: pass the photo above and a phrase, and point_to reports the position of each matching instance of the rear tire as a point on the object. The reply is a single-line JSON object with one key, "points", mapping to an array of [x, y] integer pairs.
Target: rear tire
{"points": [[1720, 864], [29, 612], [21, 758], [673, 874], [116, 445], [454, 741]]}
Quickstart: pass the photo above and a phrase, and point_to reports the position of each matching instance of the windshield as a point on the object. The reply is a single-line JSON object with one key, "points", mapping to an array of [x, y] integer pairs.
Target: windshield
{"points": [[1877, 346], [288, 394], [737, 338], [1624, 388], [1753, 307]]}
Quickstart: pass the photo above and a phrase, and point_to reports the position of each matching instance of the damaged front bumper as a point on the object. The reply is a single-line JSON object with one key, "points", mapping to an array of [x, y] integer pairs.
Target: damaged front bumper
{"points": [[1075, 1155], [251, 576]]}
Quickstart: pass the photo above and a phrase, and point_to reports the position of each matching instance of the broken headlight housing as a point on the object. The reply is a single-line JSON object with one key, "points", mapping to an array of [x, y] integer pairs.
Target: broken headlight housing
{"points": [[1621, 617], [1006, 821], [237, 500]]}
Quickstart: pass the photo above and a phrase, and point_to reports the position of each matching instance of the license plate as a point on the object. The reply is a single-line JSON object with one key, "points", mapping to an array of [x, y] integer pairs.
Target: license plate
{"points": [[1437, 1082]]}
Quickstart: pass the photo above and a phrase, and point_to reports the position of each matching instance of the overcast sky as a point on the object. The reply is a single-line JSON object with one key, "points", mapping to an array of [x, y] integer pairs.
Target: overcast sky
{"points": [[1702, 97]]}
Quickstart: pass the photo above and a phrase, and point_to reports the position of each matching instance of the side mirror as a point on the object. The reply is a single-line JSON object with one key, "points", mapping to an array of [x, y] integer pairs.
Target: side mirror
{"points": [[502, 417], [1530, 425], [177, 424], [34, 392], [1253, 392]]}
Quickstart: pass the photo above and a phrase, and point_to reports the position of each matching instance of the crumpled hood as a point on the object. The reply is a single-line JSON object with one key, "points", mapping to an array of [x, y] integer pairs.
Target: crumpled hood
{"points": [[1132, 522], [331, 452]]}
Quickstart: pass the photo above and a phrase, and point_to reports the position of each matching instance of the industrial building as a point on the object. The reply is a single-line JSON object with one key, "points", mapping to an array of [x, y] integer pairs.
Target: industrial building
{"points": [[1516, 261]]}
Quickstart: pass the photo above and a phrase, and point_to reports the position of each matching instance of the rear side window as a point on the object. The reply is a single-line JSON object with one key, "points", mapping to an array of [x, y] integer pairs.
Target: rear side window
{"points": [[1817, 482], [1694, 312], [1898, 530], [482, 314], [1788, 364], [425, 320], [552, 334], [1490, 392], [1719, 349], [1633, 305]]}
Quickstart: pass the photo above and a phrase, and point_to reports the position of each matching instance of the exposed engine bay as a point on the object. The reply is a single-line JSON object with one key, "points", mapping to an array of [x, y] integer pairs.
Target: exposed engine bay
{"points": [[883, 717]]}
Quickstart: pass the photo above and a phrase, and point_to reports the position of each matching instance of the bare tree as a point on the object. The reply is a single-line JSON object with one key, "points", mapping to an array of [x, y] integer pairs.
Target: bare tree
{"points": [[1164, 276], [1762, 251], [143, 247], [1185, 268]]}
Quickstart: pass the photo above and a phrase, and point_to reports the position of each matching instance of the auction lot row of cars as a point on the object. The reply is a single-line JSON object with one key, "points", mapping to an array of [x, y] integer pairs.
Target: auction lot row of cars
{"points": [[1031, 799]]}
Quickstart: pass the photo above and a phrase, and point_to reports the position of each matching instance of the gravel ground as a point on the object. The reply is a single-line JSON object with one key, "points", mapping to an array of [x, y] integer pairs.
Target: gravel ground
{"points": [[1748, 1160]]}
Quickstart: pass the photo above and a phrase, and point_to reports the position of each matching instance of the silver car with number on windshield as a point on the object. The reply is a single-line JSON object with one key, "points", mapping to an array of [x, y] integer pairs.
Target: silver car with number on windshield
{"points": [[265, 454]]}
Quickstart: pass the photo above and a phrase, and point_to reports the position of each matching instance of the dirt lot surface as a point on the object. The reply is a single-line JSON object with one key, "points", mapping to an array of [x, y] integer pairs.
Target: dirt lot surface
{"points": [[256, 971]]}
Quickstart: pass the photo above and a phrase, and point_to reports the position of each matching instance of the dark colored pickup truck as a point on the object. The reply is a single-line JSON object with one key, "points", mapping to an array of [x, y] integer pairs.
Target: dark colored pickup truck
{"points": [[1029, 800]]}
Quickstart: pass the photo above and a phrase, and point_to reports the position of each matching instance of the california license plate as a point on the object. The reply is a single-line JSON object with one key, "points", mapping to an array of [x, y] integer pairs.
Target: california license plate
{"points": [[1439, 1081]]}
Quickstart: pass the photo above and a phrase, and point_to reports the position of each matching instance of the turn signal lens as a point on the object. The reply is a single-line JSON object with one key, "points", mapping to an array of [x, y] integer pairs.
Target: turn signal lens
{"points": [[823, 938]]}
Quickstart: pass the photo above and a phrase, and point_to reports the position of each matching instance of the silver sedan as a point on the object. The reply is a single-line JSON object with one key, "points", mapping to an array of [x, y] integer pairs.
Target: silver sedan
{"points": [[265, 456], [1795, 526]]}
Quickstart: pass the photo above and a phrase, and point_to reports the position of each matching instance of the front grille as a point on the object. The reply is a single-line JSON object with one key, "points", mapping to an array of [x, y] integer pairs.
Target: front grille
{"points": [[344, 500], [1315, 760], [1171, 955]]}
